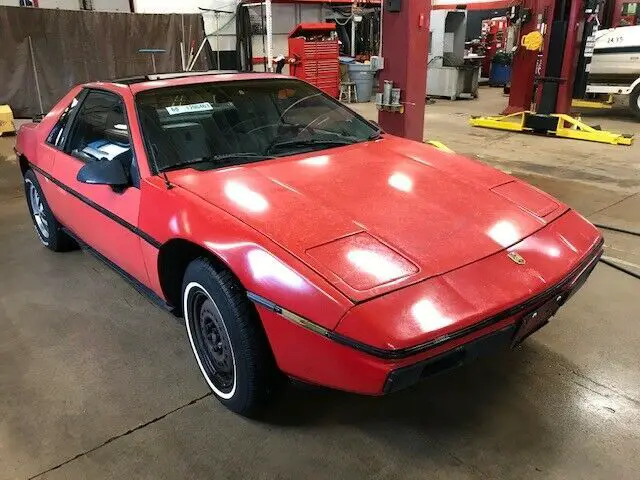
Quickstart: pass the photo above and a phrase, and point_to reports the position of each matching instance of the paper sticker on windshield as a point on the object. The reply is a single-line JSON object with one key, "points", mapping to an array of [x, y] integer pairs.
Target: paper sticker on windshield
{"points": [[194, 107]]}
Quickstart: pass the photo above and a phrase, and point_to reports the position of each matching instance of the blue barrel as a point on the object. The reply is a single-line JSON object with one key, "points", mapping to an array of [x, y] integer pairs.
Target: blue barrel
{"points": [[500, 75]]}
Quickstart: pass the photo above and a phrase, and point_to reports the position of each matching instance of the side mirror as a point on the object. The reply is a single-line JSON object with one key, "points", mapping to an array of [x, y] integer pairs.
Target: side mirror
{"points": [[104, 172]]}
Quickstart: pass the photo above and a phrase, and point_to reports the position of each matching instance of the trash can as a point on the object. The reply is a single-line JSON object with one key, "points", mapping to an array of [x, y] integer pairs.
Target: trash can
{"points": [[500, 75], [362, 75]]}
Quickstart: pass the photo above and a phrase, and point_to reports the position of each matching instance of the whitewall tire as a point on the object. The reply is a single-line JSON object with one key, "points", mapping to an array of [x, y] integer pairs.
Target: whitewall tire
{"points": [[227, 339]]}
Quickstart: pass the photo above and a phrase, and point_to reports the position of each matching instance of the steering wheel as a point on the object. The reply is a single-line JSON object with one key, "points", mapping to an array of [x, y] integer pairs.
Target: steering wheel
{"points": [[234, 127]]}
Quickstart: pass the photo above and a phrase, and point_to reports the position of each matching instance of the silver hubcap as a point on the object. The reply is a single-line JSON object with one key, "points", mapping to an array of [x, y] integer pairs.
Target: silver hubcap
{"points": [[39, 215]]}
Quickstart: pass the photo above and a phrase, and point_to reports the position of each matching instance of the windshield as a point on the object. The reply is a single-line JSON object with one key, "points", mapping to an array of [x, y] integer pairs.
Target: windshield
{"points": [[227, 123]]}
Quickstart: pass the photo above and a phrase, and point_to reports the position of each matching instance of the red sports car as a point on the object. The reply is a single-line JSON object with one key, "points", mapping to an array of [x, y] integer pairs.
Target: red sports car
{"points": [[293, 236]]}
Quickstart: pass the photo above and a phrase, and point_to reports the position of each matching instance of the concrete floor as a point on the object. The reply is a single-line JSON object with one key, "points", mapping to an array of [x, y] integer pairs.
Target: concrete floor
{"points": [[96, 382]]}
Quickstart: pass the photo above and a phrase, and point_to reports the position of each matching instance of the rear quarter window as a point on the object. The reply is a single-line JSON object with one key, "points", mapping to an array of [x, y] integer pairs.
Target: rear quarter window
{"points": [[57, 134]]}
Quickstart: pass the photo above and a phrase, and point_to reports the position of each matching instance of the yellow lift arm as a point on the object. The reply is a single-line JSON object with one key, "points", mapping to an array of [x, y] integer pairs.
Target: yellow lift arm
{"points": [[556, 124]]}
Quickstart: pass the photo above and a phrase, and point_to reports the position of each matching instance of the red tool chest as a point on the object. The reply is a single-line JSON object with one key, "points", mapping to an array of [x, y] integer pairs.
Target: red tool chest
{"points": [[314, 50]]}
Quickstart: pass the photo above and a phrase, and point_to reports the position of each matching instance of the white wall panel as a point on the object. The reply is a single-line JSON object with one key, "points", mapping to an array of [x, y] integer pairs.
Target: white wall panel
{"points": [[62, 4], [182, 6], [111, 5]]}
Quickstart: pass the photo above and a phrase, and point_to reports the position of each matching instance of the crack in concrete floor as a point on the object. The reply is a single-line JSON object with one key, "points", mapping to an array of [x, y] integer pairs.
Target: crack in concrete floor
{"points": [[119, 436]]}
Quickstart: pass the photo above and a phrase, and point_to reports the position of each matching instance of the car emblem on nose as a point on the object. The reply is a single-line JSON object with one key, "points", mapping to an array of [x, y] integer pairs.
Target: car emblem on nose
{"points": [[517, 258]]}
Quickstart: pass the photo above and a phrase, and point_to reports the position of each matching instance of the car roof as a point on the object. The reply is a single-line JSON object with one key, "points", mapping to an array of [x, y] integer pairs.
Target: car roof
{"points": [[168, 76], [162, 80]]}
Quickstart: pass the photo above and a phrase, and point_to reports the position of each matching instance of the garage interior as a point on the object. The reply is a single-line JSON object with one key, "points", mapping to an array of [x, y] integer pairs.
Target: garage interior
{"points": [[98, 382]]}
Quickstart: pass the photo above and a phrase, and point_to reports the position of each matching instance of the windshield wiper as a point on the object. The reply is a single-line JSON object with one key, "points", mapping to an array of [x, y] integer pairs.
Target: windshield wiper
{"points": [[310, 142], [223, 159], [249, 156]]}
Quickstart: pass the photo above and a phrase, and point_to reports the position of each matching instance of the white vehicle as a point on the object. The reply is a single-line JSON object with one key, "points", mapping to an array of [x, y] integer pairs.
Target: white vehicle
{"points": [[615, 66]]}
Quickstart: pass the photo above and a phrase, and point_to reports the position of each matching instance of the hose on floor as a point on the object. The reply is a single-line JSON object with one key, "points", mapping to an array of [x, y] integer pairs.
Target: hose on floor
{"points": [[622, 269], [617, 229], [613, 264]]}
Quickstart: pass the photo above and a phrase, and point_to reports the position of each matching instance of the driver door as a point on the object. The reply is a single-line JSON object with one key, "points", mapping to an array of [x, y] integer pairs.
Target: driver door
{"points": [[104, 218]]}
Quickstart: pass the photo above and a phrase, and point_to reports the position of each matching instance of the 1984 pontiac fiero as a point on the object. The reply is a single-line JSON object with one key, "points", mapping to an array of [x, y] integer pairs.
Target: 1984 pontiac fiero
{"points": [[293, 236]]}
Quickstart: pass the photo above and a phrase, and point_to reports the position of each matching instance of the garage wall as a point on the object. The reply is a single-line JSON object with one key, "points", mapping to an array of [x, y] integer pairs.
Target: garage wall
{"points": [[69, 49], [10, 3], [285, 17], [475, 17], [61, 4], [182, 6], [112, 6], [191, 6], [98, 5]]}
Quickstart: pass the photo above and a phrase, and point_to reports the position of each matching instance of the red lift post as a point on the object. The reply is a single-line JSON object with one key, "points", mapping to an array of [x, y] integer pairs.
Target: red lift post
{"points": [[572, 50], [405, 34], [549, 74], [529, 65], [523, 70]]}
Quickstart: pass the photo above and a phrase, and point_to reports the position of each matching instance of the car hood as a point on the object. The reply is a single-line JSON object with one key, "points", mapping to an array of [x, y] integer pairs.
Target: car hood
{"points": [[380, 215]]}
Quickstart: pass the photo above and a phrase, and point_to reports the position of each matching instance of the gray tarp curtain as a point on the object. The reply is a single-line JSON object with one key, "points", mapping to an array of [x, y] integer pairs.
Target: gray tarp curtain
{"points": [[72, 47]]}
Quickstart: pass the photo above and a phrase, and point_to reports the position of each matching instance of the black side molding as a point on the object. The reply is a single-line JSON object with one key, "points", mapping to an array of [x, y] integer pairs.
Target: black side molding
{"points": [[144, 236], [142, 289]]}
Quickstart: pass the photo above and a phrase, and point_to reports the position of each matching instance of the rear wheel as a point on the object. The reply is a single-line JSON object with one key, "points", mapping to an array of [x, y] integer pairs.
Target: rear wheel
{"points": [[634, 101], [47, 227], [227, 339]]}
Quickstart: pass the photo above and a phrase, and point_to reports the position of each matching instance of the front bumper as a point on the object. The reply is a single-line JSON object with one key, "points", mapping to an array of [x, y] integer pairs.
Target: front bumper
{"points": [[498, 340], [406, 376], [332, 359]]}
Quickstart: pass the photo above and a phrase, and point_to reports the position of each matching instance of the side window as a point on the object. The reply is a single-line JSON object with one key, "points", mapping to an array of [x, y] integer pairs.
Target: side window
{"points": [[100, 132], [56, 136]]}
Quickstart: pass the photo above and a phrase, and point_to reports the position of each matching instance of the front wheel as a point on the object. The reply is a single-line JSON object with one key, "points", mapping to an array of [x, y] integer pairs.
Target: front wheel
{"points": [[634, 101], [227, 339]]}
